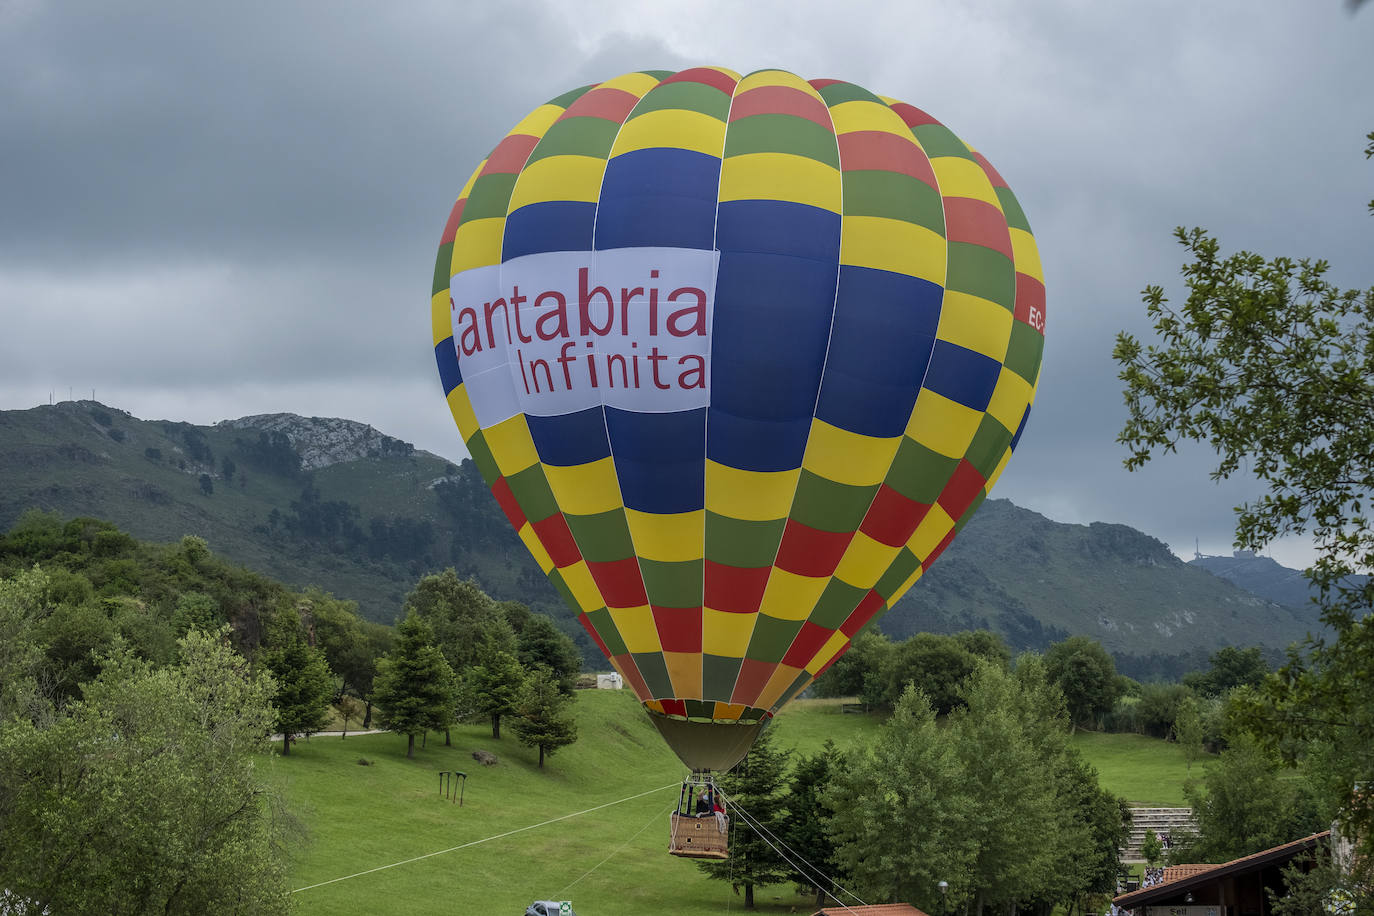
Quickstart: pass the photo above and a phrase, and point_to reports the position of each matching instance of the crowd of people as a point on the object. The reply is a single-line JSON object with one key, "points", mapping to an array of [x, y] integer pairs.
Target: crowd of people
{"points": [[1150, 876]]}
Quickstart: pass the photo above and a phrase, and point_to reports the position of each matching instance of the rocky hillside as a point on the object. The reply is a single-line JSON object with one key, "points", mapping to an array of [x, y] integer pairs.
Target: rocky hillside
{"points": [[322, 441]]}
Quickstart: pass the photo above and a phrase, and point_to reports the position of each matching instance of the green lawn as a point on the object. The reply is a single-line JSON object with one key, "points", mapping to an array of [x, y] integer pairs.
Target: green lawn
{"points": [[609, 862], [1144, 771]]}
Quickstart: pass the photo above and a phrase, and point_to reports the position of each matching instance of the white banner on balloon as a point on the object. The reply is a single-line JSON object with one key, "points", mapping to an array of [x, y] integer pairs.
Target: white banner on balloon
{"points": [[550, 334]]}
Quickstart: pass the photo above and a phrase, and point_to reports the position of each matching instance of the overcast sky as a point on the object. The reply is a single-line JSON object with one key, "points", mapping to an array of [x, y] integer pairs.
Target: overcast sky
{"points": [[214, 210]]}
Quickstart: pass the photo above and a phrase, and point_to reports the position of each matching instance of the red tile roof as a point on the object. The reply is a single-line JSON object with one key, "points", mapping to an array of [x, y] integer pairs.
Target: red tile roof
{"points": [[1175, 872]]}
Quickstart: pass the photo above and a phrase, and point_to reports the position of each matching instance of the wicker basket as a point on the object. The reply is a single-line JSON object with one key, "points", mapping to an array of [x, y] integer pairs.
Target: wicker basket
{"points": [[698, 837]]}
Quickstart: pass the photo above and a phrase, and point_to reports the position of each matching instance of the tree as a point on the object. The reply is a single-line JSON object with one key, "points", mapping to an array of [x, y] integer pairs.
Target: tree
{"points": [[350, 644], [304, 681], [1325, 885], [1086, 675], [858, 672], [757, 802], [1269, 364], [1229, 668], [1008, 726], [23, 603], [377, 641], [143, 797], [415, 686], [207, 486], [539, 642], [808, 814], [902, 810], [1188, 730], [76, 639], [1087, 824], [995, 802], [936, 665], [195, 611], [462, 616], [1272, 366], [1158, 708], [545, 721], [1244, 805], [1093, 829], [497, 685], [985, 644], [1151, 848]]}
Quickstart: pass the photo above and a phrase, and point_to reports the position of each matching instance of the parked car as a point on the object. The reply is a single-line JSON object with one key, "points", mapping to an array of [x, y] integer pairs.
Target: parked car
{"points": [[548, 908]]}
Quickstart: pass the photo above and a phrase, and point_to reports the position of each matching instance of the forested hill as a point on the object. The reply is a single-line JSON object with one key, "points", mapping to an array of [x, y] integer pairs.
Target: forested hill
{"points": [[306, 500], [1037, 581], [340, 505]]}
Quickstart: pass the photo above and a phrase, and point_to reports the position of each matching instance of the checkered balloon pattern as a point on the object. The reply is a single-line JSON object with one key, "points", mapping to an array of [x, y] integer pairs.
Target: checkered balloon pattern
{"points": [[738, 356]]}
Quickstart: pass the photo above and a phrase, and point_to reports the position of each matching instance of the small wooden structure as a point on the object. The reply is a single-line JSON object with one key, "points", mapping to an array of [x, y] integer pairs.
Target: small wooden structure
{"points": [[699, 830]]}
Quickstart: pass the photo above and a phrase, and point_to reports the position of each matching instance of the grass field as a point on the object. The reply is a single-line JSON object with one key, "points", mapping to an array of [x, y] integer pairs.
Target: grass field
{"points": [[609, 862], [1144, 771], [370, 825]]}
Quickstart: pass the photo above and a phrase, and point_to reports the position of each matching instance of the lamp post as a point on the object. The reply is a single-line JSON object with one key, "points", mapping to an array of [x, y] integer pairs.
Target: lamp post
{"points": [[944, 897]]}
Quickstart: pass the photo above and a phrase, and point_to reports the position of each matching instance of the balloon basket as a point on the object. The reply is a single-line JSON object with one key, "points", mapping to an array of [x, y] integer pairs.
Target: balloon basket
{"points": [[698, 838], [699, 828]]}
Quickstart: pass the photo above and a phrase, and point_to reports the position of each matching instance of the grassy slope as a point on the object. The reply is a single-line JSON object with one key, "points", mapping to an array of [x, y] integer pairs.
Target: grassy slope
{"points": [[608, 862], [363, 817], [1144, 771]]}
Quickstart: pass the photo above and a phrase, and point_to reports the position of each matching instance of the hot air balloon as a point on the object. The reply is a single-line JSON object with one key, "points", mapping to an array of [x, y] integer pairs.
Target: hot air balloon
{"points": [[737, 356]]}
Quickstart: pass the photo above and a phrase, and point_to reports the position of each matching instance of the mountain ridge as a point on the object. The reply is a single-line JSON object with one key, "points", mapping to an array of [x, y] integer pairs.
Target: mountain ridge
{"points": [[338, 504]]}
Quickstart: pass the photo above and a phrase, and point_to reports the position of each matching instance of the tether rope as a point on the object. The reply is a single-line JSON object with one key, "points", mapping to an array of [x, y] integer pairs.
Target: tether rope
{"points": [[733, 830], [498, 836], [814, 872], [653, 817]]}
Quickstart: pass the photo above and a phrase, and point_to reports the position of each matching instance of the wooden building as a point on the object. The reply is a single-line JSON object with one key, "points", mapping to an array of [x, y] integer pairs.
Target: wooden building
{"points": [[1236, 888]]}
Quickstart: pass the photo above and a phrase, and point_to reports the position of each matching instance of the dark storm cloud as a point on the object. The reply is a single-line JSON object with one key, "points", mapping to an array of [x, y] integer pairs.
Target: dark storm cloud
{"points": [[270, 131], [212, 211]]}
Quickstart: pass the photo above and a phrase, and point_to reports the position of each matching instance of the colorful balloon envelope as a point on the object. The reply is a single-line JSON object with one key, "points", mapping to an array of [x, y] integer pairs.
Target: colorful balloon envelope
{"points": [[738, 356]]}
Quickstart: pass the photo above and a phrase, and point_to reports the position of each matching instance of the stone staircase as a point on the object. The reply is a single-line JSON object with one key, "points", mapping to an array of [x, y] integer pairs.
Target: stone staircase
{"points": [[1172, 821]]}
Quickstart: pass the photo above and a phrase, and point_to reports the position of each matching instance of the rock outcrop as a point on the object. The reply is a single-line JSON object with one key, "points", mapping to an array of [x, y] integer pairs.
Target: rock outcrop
{"points": [[322, 441]]}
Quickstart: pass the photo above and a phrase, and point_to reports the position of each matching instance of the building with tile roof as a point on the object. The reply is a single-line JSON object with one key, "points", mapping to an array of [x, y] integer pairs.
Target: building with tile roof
{"points": [[1235, 888]]}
